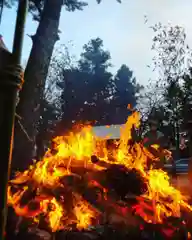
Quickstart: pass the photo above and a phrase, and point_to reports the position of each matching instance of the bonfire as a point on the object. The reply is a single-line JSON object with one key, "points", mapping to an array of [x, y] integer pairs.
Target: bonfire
{"points": [[80, 186]]}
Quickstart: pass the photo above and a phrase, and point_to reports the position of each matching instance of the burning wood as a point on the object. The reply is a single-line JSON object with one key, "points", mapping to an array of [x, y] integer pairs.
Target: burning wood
{"points": [[79, 185]]}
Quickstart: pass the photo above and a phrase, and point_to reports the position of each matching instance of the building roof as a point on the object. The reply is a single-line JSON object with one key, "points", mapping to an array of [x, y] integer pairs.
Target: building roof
{"points": [[111, 131]]}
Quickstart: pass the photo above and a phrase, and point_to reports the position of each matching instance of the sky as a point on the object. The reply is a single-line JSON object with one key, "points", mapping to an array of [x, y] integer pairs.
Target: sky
{"points": [[120, 26]]}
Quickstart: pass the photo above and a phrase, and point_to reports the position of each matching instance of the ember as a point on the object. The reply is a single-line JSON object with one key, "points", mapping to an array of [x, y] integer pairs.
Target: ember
{"points": [[81, 185]]}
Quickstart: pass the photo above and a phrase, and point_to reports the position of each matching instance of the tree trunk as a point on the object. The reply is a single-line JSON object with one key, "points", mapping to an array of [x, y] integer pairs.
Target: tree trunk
{"points": [[35, 77]]}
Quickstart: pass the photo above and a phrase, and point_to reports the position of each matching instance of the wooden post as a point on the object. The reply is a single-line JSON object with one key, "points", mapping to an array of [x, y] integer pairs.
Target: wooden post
{"points": [[11, 79]]}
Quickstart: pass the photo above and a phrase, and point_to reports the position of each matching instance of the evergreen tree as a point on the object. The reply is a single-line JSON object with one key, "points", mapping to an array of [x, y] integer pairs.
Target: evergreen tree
{"points": [[47, 13], [126, 90]]}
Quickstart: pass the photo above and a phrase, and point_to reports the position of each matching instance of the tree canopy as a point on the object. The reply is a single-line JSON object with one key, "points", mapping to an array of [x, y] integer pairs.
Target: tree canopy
{"points": [[47, 13], [36, 6], [170, 97], [91, 93]]}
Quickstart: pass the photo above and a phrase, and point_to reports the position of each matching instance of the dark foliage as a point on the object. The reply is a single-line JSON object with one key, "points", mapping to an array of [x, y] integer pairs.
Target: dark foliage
{"points": [[36, 6], [90, 93]]}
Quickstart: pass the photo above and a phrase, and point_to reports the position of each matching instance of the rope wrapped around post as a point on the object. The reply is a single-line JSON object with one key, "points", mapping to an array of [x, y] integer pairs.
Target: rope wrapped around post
{"points": [[11, 81]]}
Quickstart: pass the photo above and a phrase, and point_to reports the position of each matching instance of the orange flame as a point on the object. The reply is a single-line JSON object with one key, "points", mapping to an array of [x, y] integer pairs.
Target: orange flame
{"points": [[84, 214], [73, 158]]}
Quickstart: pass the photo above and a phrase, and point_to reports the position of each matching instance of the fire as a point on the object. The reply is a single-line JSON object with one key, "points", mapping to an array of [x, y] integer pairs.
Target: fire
{"points": [[68, 187], [84, 214], [167, 201]]}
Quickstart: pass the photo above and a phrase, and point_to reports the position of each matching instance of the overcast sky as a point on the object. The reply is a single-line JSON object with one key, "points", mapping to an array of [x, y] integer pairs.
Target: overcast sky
{"points": [[121, 26]]}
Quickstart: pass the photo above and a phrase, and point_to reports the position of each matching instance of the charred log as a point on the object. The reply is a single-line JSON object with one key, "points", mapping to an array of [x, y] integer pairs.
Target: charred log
{"points": [[125, 181]]}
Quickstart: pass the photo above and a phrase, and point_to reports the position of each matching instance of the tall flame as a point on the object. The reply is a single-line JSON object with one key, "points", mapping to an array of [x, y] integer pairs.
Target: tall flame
{"points": [[73, 157]]}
